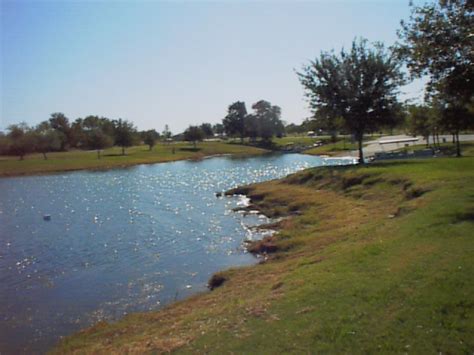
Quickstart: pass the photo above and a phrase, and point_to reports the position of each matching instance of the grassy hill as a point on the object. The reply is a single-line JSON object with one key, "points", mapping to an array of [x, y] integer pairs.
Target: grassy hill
{"points": [[371, 259]]}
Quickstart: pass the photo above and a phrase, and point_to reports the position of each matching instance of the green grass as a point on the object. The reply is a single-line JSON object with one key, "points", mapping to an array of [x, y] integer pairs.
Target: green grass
{"points": [[341, 146], [378, 259], [298, 140], [112, 158]]}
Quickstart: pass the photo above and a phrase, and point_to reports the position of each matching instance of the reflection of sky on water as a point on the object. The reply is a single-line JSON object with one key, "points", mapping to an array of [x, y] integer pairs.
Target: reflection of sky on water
{"points": [[119, 241]]}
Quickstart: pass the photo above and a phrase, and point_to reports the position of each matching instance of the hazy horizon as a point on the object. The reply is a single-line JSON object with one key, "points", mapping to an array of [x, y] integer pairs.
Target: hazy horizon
{"points": [[175, 63]]}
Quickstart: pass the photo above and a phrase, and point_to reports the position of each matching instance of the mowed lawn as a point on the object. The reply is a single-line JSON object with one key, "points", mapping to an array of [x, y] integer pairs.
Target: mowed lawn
{"points": [[112, 157], [375, 259]]}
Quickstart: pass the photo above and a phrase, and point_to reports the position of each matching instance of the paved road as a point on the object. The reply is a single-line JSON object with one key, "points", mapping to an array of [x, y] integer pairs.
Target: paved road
{"points": [[373, 147]]}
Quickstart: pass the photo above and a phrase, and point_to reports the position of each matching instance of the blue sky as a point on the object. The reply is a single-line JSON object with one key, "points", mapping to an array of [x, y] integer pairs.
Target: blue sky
{"points": [[173, 62]]}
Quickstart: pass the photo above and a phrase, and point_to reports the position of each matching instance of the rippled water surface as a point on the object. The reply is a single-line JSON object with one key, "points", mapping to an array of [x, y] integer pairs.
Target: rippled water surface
{"points": [[119, 241]]}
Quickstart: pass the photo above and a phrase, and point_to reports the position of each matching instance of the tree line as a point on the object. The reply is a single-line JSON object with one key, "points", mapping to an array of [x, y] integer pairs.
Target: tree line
{"points": [[90, 133], [263, 123]]}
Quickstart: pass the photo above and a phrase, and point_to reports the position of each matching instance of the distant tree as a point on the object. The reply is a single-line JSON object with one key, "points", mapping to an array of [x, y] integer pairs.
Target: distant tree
{"points": [[359, 85], [268, 120], [21, 140], [46, 139], [166, 132], [98, 140], [234, 121], [293, 128], [124, 134], [252, 127], [438, 41], [455, 115], [60, 123], [419, 121], [78, 137], [193, 134], [207, 130], [4, 144], [327, 123], [218, 128], [150, 138]]}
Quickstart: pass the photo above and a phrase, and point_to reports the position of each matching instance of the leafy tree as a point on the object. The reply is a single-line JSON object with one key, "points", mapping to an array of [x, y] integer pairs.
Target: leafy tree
{"points": [[46, 139], [419, 121], [234, 122], [218, 128], [4, 144], [293, 128], [438, 41], [78, 137], [60, 123], [98, 140], [124, 134], [268, 120], [193, 134], [359, 86], [207, 130], [252, 128], [21, 140], [455, 115], [150, 138]]}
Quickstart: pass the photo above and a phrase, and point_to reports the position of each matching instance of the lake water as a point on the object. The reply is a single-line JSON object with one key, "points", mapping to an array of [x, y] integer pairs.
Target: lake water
{"points": [[119, 241]]}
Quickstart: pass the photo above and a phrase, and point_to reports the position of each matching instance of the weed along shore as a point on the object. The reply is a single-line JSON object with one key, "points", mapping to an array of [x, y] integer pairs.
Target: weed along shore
{"points": [[371, 259], [113, 158]]}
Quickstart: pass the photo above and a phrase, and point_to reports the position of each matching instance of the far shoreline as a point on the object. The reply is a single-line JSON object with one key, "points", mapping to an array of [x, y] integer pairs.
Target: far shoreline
{"points": [[135, 156]]}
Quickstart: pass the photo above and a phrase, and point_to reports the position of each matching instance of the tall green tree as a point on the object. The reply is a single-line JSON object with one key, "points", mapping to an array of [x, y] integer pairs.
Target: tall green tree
{"points": [[21, 140], [359, 85], [438, 41], [207, 130], [234, 121], [60, 123], [193, 134], [46, 139], [98, 140], [124, 134], [420, 122], [150, 138], [268, 120]]}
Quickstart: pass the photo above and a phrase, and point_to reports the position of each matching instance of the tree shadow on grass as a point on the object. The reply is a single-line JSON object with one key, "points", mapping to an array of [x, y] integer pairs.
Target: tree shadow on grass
{"points": [[190, 149], [463, 217]]}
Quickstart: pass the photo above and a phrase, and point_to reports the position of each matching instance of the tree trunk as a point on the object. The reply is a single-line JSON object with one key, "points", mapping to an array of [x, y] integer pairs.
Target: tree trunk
{"points": [[361, 152], [98, 153], [427, 141], [44, 156], [458, 145]]}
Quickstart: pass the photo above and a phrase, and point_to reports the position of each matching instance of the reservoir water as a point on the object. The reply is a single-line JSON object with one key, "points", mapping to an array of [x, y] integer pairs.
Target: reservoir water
{"points": [[119, 241]]}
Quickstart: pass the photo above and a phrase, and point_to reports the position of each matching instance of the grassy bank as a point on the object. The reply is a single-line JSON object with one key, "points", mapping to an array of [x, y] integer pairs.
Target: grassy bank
{"points": [[111, 158], [371, 259]]}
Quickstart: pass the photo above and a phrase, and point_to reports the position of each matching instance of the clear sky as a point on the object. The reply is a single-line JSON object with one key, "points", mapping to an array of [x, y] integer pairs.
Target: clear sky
{"points": [[173, 62]]}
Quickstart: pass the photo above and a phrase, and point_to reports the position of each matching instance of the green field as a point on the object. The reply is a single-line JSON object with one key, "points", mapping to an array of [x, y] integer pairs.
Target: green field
{"points": [[374, 259], [112, 158]]}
